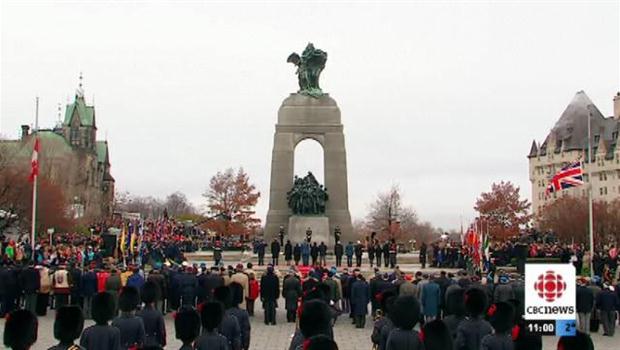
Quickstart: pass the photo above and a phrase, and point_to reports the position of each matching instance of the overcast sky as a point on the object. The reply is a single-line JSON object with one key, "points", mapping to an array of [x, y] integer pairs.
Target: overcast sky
{"points": [[443, 99]]}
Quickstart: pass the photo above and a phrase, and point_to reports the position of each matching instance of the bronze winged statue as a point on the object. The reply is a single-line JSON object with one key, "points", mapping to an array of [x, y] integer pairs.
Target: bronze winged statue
{"points": [[309, 67]]}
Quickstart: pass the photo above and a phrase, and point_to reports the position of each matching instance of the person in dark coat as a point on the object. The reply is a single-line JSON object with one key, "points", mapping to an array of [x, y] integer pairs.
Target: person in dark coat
{"points": [[269, 294], [607, 303], [315, 319], [260, 251], [291, 291], [288, 252], [360, 297], [501, 316], [102, 336], [455, 309], [30, 283], [471, 331], [76, 277], [230, 326], [156, 277], [386, 253], [212, 315], [188, 284], [275, 252], [135, 280], [113, 286], [314, 253], [212, 281], [68, 326], [130, 326], [243, 317], [503, 291], [152, 318], [9, 289], [296, 253], [405, 315], [305, 253], [423, 255], [320, 342], [359, 250], [436, 336], [584, 303], [187, 327], [88, 289], [382, 318], [322, 254], [349, 250], [338, 251], [20, 330]]}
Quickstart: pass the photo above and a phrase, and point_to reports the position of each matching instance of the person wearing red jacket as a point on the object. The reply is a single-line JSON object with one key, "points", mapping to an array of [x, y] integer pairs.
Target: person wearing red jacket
{"points": [[253, 293]]}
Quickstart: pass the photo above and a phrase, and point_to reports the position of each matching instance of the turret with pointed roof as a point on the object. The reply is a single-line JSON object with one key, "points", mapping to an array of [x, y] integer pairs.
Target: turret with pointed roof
{"points": [[79, 126], [568, 141]]}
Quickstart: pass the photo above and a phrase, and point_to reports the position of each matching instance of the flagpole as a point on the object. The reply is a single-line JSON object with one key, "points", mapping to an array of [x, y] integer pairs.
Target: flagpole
{"points": [[590, 214], [34, 189]]}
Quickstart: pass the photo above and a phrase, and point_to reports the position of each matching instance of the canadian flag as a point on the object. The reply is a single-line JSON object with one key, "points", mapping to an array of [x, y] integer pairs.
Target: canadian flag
{"points": [[34, 162]]}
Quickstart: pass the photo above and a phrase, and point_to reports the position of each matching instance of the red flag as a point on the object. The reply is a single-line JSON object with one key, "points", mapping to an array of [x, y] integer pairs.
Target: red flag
{"points": [[34, 162]]}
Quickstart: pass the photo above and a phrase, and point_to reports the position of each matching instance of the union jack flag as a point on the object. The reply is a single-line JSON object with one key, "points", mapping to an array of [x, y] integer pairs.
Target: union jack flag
{"points": [[569, 176]]}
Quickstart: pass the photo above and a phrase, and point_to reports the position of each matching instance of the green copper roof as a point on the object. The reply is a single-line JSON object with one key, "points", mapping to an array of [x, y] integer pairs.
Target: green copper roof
{"points": [[86, 113], [102, 151]]}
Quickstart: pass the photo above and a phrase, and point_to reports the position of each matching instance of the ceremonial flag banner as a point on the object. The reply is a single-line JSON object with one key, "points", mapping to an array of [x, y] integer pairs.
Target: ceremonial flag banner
{"points": [[34, 162], [123, 238], [569, 176]]}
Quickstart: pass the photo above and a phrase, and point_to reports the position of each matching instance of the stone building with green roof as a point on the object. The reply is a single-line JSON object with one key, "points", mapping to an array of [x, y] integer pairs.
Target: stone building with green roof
{"points": [[73, 158]]}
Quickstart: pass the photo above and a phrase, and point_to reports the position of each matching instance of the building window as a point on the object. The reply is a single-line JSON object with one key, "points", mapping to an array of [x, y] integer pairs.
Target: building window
{"points": [[605, 190], [614, 135], [75, 136], [597, 138]]}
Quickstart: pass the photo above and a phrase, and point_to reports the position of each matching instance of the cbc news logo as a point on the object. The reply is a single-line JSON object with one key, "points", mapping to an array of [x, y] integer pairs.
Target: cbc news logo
{"points": [[550, 286]]}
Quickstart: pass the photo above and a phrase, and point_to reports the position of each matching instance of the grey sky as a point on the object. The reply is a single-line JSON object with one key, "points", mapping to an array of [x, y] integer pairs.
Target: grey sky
{"points": [[443, 98]]}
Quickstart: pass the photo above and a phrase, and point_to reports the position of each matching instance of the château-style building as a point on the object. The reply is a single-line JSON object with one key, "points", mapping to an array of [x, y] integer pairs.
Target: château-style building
{"points": [[568, 142], [73, 158]]}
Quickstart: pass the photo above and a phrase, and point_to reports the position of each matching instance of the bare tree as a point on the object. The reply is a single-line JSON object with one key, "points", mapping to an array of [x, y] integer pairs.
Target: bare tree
{"points": [[390, 218], [178, 204]]}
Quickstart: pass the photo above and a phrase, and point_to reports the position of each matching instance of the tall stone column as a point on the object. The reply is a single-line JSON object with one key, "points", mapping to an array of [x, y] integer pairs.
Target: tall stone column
{"points": [[301, 117]]}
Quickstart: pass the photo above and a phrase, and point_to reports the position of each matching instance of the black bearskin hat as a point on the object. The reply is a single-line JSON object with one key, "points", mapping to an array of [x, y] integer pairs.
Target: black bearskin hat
{"points": [[237, 293], [68, 324], [128, 299], [211, 314], [320, 342], [581, 341], [150, 292], [20, 329], [501, 316], [223, 295], [405, 312], [475, 301], [386, 300], [436, 336], [187, 324], [315, 318], [103, 307]]}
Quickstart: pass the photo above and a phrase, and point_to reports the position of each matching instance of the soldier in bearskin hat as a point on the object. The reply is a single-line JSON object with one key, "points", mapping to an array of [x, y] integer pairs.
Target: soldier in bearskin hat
{"points": [[501, 316], [20, 330], [68, 326], [187, 326], [131, 326], [212, 314], [102, 336], [474, 327], [405, 315]]}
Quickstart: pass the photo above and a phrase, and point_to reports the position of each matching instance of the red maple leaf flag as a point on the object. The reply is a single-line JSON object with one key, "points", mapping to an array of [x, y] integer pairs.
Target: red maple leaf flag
{"points": [[34, 162]]}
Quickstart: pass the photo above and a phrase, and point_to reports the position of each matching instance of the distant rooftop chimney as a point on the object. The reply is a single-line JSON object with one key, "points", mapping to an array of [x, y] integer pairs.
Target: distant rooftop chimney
{"points": [[25, 131], [617, 106]]}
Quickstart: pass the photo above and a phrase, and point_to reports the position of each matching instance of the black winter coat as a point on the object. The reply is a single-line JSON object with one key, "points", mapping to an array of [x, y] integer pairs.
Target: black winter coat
{"points": [[29, 280], [269, 287]]}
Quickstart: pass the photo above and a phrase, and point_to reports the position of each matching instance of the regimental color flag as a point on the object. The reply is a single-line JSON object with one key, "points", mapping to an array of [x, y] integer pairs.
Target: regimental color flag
{"points": [[34, 162], [569, 176], [123, 240]]}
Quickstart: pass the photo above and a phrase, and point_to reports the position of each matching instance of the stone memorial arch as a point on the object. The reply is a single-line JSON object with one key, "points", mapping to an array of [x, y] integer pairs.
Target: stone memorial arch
{"points": [[303, 117], [309, 114]]}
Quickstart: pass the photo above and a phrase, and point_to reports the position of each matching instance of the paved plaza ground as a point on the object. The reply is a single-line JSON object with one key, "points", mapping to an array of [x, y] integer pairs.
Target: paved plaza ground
{"points": [[278, 337]]}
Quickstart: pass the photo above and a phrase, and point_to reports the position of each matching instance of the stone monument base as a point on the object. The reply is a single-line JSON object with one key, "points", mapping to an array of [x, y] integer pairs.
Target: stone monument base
{"points": [[298, 225]]}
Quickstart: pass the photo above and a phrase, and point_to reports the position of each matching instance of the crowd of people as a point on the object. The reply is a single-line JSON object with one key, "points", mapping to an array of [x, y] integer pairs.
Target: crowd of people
{"points": [[213, 306]]}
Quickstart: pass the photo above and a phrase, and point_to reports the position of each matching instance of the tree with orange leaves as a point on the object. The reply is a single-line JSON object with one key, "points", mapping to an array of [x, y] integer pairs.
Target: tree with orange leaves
{"points": [[502, 210], [232, 199]]}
